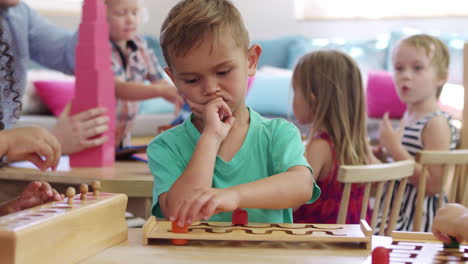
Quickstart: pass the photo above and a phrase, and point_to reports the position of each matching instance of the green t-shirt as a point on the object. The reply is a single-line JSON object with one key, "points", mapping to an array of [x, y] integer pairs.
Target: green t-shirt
{"points": [[271, 146]]}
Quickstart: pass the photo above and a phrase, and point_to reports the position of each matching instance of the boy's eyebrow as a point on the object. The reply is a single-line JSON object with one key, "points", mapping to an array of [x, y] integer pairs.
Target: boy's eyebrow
{"points": [[224, 63]]}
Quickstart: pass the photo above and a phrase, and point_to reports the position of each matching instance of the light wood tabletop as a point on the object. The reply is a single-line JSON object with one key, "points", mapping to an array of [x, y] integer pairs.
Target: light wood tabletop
{"points": [[133, 251]]}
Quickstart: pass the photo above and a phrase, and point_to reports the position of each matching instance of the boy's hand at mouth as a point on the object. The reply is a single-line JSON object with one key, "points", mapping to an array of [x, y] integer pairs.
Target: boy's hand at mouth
{"points": [[217, 118]]}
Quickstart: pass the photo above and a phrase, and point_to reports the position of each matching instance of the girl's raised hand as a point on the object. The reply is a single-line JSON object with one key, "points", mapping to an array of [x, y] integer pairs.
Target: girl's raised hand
{"points": [[389, 137]]}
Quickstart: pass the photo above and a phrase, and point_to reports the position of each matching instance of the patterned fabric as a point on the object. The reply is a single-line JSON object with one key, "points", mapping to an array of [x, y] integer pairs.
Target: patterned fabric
{"points": [[412, 142], [32, 37], [137, 64], [325, 209]]}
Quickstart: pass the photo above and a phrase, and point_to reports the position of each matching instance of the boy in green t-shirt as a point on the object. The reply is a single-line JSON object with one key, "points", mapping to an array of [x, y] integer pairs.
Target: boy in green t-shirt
{"points": [[225, 156]]}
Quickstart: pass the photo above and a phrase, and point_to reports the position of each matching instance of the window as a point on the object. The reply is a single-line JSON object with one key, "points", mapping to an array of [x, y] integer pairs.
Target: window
{"points": [[60, 6], [373, 9]]}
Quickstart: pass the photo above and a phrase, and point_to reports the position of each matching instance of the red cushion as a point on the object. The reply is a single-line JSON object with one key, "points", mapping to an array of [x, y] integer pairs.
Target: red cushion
{"points": [[55, 94], [382, 96]]}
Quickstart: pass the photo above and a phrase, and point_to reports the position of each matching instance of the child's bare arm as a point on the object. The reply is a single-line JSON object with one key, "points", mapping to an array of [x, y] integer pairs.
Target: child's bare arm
{"points": [[134, 91], [436, 135], [285, 190], [198, 175], [318, 154]]}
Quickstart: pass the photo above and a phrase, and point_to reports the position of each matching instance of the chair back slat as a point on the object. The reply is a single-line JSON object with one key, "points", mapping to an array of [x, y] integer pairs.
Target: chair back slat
{"points": [[383, 176], [365, 200], [452, 185], [376, 209], [462, 190], [417, 222], [443, 183], [396, 207], [344, 201], [456, 189], [386, 205]]}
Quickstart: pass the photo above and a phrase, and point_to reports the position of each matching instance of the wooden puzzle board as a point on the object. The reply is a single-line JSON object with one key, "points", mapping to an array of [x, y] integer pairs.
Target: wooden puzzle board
{"points": [[154, 229], [426, 252], [420, 248]]}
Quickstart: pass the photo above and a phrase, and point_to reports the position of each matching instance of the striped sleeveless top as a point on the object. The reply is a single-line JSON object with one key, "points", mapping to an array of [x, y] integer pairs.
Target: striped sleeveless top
{"points": [[412, 142]]}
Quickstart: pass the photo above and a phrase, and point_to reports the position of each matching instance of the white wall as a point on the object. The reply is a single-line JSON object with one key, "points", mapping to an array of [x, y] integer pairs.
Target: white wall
{"points": [[267, 19]]}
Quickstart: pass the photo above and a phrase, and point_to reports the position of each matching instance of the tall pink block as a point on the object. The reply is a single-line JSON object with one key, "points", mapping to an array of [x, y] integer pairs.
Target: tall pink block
{"points": [[94, 81]]}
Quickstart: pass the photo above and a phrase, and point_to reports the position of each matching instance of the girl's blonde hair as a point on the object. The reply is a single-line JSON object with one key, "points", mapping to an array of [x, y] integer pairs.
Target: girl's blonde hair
{"points": [[434, 48], [334, 79]]}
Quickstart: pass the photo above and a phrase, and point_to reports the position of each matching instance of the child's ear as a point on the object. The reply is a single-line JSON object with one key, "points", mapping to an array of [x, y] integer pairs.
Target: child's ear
{"points": [[253, 57], [442, 81], [169, 73]]}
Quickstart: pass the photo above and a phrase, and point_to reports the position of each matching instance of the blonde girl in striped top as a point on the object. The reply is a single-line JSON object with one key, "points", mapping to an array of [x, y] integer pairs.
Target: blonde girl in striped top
{"points": [[420, 65]]}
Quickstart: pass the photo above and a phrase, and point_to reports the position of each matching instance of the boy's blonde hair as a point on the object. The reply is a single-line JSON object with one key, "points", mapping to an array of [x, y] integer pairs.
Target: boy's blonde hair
{"points": [[334, 79], [189, 22], [433, 47]]}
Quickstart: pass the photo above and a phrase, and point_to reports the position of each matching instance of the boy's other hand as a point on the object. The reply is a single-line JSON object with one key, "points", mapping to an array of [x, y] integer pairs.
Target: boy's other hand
{"points": [[34, 144], [445, 222], [202, 203], [77, 132], [36, 193]]}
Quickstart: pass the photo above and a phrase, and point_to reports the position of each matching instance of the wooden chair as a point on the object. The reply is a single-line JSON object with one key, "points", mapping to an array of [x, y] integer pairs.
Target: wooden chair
{"points": [[450, 185], [379, 174]]}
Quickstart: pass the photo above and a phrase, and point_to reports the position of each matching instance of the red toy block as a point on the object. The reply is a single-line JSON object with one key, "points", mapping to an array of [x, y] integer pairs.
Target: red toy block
{"points": [[380, 255], [177, 229], [240, 217]]}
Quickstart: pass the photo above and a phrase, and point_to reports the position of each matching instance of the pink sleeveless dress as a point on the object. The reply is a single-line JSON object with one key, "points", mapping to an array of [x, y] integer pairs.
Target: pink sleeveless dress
{"points": [[325, 209]]}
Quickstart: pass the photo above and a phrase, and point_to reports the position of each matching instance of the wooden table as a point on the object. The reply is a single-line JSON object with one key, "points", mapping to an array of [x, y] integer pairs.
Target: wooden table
{"points": [[133, 251], [130, 177]]}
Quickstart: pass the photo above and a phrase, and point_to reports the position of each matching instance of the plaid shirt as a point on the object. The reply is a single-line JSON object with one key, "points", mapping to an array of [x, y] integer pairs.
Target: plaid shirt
{"points": [[139, 65]]}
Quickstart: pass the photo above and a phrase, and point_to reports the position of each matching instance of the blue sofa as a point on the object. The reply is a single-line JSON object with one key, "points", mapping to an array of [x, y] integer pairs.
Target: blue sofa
{"points": [[270, 94]]}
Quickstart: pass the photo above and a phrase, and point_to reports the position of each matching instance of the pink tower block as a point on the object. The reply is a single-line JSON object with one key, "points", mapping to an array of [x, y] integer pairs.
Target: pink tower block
{"points": [[94, 81]]}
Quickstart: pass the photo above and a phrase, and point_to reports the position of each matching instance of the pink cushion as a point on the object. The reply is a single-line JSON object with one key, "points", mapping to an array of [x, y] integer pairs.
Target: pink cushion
{"points": [[55, 94], [249, 83], [382, 96]]}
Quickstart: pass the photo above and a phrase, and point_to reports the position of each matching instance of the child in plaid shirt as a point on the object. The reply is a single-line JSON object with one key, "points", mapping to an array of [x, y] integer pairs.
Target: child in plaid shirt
{"points": [[133, 64]]}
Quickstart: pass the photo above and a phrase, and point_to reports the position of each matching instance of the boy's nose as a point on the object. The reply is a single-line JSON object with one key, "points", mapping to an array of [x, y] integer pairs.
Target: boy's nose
{"points": [[211, 87]]}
